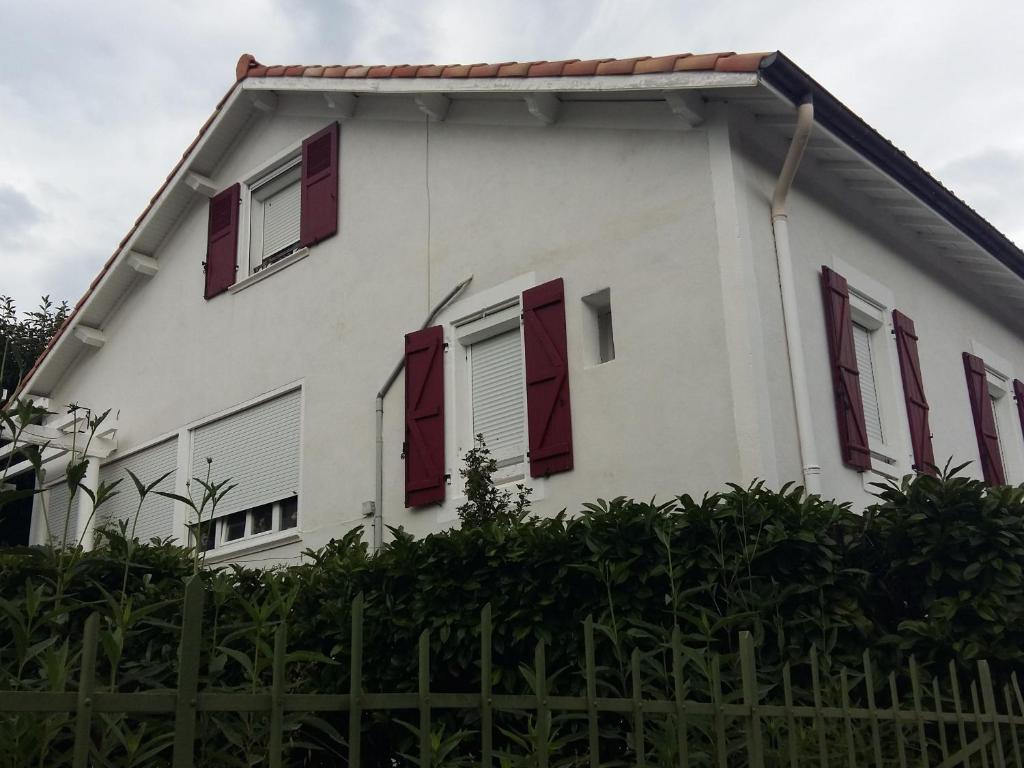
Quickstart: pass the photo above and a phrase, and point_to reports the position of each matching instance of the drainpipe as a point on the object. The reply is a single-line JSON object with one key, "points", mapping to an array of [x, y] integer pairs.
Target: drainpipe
{"points": [[378, 505], [794, 344]]}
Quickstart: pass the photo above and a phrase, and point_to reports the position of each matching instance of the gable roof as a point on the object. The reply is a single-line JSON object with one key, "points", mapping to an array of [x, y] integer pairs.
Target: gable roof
{"points": [[774, 69]]}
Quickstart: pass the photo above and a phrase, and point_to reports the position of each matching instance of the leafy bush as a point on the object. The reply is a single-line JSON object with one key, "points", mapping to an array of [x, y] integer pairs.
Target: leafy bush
{"points": [[933, 570]]}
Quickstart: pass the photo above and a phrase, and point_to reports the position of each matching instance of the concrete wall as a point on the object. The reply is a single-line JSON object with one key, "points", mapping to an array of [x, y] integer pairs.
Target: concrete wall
{"points": [[602, 203], [831, 226]]}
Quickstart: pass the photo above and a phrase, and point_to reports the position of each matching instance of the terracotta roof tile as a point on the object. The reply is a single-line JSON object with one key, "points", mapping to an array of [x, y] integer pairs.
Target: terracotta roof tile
{"points": [[618, 66], [516, 68], [549, 68], [276, 71], [456, 70], [582, 68], [357, 71], [294, 71], [381, 71], [657, 65], [429, 70], [313, 72], [404, 70], [743, 62], [704, 61], [484, 70]]}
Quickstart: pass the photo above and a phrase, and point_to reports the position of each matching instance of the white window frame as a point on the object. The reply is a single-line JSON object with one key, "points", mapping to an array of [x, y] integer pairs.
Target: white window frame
{"points": [[474, 318], [183, 513], [871, 305], [259, 191], [283, 162], [998, 377], [222, 546]]}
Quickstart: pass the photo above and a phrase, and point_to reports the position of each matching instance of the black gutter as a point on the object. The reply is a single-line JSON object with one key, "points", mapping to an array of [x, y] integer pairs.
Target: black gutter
{"points": [[786, 77]]}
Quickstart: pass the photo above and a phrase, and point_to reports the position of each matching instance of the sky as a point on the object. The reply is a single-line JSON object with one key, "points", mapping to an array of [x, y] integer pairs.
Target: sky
{"points": [[99, 99]]}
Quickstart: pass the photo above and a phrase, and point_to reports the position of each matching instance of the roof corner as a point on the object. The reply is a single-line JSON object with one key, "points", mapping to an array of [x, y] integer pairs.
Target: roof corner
{"points": [[245, 62]]}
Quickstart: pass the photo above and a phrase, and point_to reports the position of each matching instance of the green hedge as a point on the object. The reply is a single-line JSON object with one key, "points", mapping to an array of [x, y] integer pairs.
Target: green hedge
{"points": [[933, 569]]}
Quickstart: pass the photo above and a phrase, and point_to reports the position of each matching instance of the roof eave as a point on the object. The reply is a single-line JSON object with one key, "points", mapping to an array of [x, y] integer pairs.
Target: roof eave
{"points": [[788, 79]]}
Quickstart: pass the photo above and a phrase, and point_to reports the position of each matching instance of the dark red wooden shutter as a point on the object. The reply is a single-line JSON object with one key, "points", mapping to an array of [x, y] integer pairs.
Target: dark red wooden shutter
{"points": [[319, 217], [222, 241], [424, 417], [853, 434], [913, 393], [984, 420], [549, 416], [1018, 395]]}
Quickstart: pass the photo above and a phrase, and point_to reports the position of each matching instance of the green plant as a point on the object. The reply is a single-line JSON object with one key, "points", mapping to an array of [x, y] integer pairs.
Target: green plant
{"points": [[485, 502], [23, 339]]}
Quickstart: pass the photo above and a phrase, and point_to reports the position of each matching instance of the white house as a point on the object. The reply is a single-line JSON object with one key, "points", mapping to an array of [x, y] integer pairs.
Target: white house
{"points": [[634, 277]]}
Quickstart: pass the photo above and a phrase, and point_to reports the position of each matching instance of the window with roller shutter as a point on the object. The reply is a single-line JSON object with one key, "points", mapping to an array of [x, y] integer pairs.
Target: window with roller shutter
{"points": [[259, 450], [156, 516], [289, 206], [499, 413]]}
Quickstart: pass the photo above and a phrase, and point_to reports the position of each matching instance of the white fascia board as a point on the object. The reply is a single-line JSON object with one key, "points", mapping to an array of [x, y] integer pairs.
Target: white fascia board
{"points": [[122, 254], [591, 84]]}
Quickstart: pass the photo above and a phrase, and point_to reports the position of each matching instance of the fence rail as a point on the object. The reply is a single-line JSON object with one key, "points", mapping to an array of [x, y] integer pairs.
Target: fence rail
{"points": [[974, 732]]}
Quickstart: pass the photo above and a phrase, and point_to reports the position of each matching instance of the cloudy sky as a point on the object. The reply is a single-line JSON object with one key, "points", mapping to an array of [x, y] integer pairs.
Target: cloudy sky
{"points": [[98, 99]]}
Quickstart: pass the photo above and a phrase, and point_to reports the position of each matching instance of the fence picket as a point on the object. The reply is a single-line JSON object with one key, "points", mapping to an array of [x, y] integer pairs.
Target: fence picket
{"points": [[748, 672], [277, 683], [591, 674], [940, 721], [894, 695], [869, 687], [915, 691], [819, 720], [639, 740], [847, 722], [424, 698], [989, 696], [718, 702], [543, 713], [188, 675], [86, 686], [486, 712], [787, 692], [1012, 725], [682, 739], [980, 723], [355, 712], [958, 709]]}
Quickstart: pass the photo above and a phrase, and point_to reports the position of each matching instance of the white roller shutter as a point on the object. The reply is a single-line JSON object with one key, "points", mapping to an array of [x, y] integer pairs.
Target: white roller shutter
{"points": [[258, 449], [281, 219], [157, 514], [868, 388], [56, 512], [497, 385]]}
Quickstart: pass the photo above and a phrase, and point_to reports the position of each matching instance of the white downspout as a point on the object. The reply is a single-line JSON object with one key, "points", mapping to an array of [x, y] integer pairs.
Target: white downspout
{"points": [[378, 502], [794, 344]]}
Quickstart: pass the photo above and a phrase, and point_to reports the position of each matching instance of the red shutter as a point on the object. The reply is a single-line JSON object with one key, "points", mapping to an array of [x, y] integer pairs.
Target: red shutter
{"points": [[222, 241], [319, 217], [984, 420], [1018, 395], [853, 434], [424, 417], [913, 393], [547, 379]]}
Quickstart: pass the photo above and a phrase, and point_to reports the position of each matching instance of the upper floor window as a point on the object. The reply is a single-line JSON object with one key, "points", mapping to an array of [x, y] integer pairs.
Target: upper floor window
{"points": [[275, 214]]}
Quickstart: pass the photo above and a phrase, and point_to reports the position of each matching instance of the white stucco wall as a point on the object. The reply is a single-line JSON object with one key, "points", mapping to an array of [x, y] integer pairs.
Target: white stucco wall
{"points": [[602, 205], [830, 225]]}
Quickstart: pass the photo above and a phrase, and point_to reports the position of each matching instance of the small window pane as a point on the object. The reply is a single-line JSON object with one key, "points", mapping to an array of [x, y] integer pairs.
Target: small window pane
{"points": [[868, 387], [207, 538], [262, 518], [234, 526], [605, 337], [290, 512]]}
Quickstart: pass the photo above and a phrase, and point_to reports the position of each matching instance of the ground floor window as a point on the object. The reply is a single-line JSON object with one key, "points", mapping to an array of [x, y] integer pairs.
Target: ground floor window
{"points": [[246, 524]]}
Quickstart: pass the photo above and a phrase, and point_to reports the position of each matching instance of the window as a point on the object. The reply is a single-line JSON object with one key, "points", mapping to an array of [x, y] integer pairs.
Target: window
{"points": [[868, 385], [490, 386], [499, 414], [275, 215], [600, 341], [247, 524]]}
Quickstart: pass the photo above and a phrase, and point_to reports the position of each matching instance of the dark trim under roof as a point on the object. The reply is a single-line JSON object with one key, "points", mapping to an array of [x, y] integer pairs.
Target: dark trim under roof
{"points": [[786, 77]]}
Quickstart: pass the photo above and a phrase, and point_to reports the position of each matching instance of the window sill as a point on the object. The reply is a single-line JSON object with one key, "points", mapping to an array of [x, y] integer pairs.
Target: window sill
{"points": [[252, 545], [273, 269]]}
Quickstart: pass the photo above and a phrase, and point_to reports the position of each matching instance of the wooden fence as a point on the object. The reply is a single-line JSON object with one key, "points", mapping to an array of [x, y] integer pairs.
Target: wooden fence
{"points": [[971, 731]]}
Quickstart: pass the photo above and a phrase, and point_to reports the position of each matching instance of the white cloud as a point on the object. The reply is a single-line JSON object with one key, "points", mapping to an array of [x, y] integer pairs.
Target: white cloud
{"points": [[99, 100]]}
